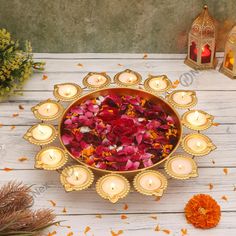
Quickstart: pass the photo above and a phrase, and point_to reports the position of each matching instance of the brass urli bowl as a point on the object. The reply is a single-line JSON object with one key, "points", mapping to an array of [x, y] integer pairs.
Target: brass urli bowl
{"points": [[133, 92]]}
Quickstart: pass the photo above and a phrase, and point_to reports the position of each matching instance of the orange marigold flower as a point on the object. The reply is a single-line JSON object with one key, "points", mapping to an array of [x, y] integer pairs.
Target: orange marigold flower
{"points": [[202, 211]]}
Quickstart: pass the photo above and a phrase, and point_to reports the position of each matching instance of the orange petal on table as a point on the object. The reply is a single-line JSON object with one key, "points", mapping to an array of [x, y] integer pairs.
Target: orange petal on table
{"points": [[175, 84], [216, 124], [21, 107], [1, 125], [52, 202], [210, 186], [64, 210], [157, 199], [225, 171], [153, 217], [45, 77], [79, 64], [13, 127], [23, 159], [126, 207], [184, 232], [70, 234], [7, 169], [15, 114], [52, 233], [166, 231], [123, 217], [99, 216], [116, 234], [157, 228], [120, 64], [145, 56], [224, 198], [87, 229]]}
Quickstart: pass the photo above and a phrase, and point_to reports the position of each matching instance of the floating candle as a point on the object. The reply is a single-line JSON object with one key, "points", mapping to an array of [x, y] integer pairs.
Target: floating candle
{"points": [[158, 84], [197, 120], [182, 99], [47, 110], [41, 134], [76, 178], [113, 187], [50, 158], [67, 91], [150, 182], [96, 80], [127, 78], [197, 144], [181, 167]]}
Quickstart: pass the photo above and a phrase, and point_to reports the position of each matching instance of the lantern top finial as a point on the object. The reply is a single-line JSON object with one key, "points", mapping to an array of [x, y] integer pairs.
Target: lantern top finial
{"points": [[203, 25]]}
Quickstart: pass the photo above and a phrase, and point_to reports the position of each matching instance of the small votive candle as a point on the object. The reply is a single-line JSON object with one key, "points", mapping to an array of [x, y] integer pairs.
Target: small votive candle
{"points": [[96, 80], [197, 120], [150, 182], [181, 167], [182, 99], [67, 91], [50, 158], [158, 84], [41, 134], [112, 187], [197, 144], [127, 78], [76, 178], [47, 110]]}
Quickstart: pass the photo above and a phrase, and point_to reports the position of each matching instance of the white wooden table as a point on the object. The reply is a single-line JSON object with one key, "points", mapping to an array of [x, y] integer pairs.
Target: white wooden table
{"points": [[217, 95]]}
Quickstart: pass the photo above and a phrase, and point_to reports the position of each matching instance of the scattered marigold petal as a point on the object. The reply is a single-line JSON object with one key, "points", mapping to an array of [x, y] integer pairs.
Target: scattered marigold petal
{"points": [[87, 229], [153, 217], [210, 186], [52, 233], [52, 202], [21, 159], [224, 198], [99, 216], [175, 83], [166, 231], [157, 228], [1, 125], [64, 210], [123, 217], [120, 64], [21, 107], [225, 171], [13, 127], [70, 234], [216, 124], [7, 169], [157, 198], [145, 56], [126, 207], [79, 64], [116, 234], [184, 231], [45, 77], [15, 114]]}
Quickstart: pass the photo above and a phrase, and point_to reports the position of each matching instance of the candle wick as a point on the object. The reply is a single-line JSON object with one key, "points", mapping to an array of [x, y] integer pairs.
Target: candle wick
{"points": [[40, 129], [48, 108]]}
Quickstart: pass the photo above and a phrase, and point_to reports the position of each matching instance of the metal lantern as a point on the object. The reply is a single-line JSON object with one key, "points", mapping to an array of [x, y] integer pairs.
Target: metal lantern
{"points": [[201, 42], [228, 66]]}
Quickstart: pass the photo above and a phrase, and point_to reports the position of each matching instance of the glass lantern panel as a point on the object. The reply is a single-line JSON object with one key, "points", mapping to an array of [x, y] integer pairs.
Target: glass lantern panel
{"points": [[206, 54], [229, 60], [193, 51]]}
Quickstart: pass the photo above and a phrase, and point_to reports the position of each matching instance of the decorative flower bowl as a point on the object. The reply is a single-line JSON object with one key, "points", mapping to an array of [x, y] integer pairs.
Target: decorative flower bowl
{"points": [[119, 131], [166, 110]]}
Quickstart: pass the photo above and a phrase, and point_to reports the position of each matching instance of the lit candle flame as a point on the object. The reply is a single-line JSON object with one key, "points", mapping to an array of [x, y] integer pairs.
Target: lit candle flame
{"points": [[130, 80], [150, 182], [158, 83], [51, 154], [68, 91], [112, 186], [183, 94], [198, 144], [48, 107], [196, 115], [180, 167], [40, 129], [99, 79], [76, 175]]}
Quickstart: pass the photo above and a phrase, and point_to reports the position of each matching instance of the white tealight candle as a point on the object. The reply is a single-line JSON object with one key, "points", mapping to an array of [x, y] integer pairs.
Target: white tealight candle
{"points": [[196, 118], [197, 144], [77, 176], [113, 186], [182, 98], [48, 109], [181, 166], [42, 132], [67, 90], [150, 181], [51, 157], [128, 78], [158, 83], [96, 80]]}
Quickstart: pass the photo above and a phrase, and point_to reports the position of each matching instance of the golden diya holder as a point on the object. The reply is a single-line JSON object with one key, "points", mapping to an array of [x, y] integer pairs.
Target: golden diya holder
{"points": [[115, 185]]}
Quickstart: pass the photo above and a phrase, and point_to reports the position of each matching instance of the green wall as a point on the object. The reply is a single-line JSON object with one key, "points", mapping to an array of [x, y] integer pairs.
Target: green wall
{"points": [[152, 26]]}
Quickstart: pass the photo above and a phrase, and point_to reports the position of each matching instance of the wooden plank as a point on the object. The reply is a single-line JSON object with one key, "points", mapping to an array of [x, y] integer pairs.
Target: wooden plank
{"points": [[47, 187], [223, 136]]}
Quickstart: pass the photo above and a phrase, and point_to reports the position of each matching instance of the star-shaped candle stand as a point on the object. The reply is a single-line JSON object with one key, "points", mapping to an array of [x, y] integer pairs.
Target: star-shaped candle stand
{"points": [[118, 134]]}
